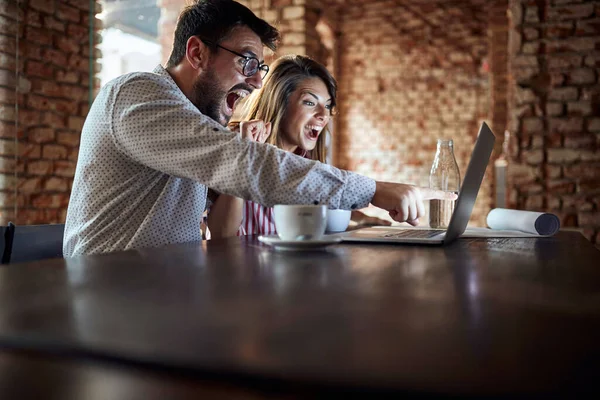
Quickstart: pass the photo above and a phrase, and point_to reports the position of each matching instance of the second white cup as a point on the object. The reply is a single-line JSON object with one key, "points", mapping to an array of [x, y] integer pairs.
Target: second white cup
{"points": [[300, 222]]}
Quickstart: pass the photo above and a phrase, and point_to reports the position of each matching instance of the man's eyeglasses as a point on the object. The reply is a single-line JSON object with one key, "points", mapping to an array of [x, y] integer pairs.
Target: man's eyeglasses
{"points": [[250, 65]]}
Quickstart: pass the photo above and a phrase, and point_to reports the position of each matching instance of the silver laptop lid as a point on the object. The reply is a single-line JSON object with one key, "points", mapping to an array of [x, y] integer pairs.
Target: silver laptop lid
{"points": [[468, 192]]}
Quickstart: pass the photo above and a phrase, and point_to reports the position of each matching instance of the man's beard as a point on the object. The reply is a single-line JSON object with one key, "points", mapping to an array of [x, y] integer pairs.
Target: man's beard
{"points": [[208, 97]]}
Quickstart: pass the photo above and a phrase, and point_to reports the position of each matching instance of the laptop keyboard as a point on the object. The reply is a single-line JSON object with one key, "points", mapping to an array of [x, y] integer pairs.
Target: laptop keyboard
{"points": [[413, 233]]}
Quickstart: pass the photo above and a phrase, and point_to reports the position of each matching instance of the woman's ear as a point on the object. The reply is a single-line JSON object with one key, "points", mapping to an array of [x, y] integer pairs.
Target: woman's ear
{"points": [[197, 53]]}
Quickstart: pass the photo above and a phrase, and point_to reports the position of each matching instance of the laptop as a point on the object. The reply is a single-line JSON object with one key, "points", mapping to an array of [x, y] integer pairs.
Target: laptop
{"points": [[462, 210]]}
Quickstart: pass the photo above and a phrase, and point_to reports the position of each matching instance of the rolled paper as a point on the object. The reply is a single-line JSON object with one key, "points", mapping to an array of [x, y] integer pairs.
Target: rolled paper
{"points": [[537, 223]]}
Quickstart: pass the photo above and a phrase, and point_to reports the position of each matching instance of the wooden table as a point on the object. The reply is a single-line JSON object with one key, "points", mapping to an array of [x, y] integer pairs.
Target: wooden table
{"points": [[478, 317]]}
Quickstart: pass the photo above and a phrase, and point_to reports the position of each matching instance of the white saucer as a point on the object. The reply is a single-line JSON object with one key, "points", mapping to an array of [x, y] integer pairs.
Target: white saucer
{"points": [[279, 244]]}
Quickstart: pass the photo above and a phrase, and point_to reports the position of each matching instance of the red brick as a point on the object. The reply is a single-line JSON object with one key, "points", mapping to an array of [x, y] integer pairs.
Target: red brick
{"points": [[7, 78], [581, 141], [566, 125], [590, 92], [532, 125], [30, 185], [33, 18], [525, 61], [574, 44], [68, 13], [30, 150], [559, 30], [39, 167], [73, 154], [554, 109], [43, 5], [581, 108], [7, 112], [67, 76], [39, 103], [7, 165], [78, 63], [531, 34], [590, 155], [593, 125], [7, 26], [35, 68], [534, 202], [532, 14], [563, 61], [68, 138], [553, 171], [571, 11], [37, 35], [563, 186], [54, 24], [563, 94], [557, 79], [54, 152], [84, 109], [64, 168], [581, 76], [47, 201], [582, 171], [78, 32], [66, 106], [563, 156], [579, 202], [592, 60], [589, 219], [76, 123], [533, 157], [53, 120], [55, 184], [7, 129], [82, 5], [28, 118], [568, 220], [589, 186], [67, 44], [40, 135], [74, 92], [55, 57], [8, 44], [7, 147], [10, 10], [7, 96]]}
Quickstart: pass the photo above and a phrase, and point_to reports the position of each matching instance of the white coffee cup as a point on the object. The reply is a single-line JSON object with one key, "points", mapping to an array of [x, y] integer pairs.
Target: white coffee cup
{"points": [[299, 222], [337, 220]]}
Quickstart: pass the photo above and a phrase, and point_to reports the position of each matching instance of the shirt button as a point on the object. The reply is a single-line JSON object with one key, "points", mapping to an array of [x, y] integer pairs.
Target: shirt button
{"points": [[216, 129], [316, 202], [353, 206]]}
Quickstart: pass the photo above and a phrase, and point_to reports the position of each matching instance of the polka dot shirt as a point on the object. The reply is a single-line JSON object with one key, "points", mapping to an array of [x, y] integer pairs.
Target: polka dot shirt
{"points": [[148, 156]]}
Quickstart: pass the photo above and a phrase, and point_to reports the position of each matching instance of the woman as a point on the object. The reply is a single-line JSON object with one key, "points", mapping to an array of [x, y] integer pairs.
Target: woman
{"points": [[291, 111]]}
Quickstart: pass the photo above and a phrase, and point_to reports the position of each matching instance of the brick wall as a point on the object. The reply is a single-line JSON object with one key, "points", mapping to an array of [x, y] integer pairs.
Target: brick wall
{"points": [[410, 74], [44, 74], [555, 100]]}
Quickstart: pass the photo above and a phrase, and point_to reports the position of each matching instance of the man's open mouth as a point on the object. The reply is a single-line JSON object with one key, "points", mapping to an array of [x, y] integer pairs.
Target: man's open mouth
{"points": [[233, 97]]}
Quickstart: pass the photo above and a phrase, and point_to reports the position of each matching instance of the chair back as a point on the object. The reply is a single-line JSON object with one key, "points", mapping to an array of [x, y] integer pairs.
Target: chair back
{"points": [[23, 243]]}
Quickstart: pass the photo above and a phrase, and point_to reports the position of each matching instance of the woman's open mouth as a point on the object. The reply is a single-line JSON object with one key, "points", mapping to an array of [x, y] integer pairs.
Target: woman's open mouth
{"points": [[313, 131]]}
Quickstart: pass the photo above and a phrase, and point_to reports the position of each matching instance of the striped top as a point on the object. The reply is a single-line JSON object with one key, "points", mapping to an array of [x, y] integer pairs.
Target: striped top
{"points": [[258, 219]]}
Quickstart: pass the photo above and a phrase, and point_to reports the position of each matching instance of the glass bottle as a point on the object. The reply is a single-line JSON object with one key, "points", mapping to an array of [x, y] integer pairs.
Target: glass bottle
{"points": [[445, 176]]}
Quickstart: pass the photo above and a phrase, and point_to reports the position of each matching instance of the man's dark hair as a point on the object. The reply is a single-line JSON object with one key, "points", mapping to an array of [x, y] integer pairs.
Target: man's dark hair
{"points": [[213, 21]]}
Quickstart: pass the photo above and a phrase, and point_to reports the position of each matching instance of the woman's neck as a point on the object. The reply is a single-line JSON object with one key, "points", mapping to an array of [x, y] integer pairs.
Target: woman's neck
{"points": [[287, 146]]}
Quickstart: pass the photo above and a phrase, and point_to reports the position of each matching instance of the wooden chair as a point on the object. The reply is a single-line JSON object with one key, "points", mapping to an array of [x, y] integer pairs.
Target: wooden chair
{"points": [[23, 243]]}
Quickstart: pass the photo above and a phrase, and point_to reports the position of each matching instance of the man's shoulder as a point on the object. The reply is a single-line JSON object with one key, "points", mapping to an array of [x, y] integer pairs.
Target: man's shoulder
{"points": [[151, 79]]}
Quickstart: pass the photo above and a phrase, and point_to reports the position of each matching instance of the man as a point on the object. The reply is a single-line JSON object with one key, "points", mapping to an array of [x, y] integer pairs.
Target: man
{"points": [[154, 142]]}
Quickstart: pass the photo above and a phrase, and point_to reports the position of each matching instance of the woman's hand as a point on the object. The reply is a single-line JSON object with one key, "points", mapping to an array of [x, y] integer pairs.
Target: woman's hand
{"points": [[255, 130]]}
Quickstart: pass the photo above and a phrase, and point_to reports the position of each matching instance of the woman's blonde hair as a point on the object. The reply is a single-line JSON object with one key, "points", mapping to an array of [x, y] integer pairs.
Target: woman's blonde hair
{"points": [[270, 103]]}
